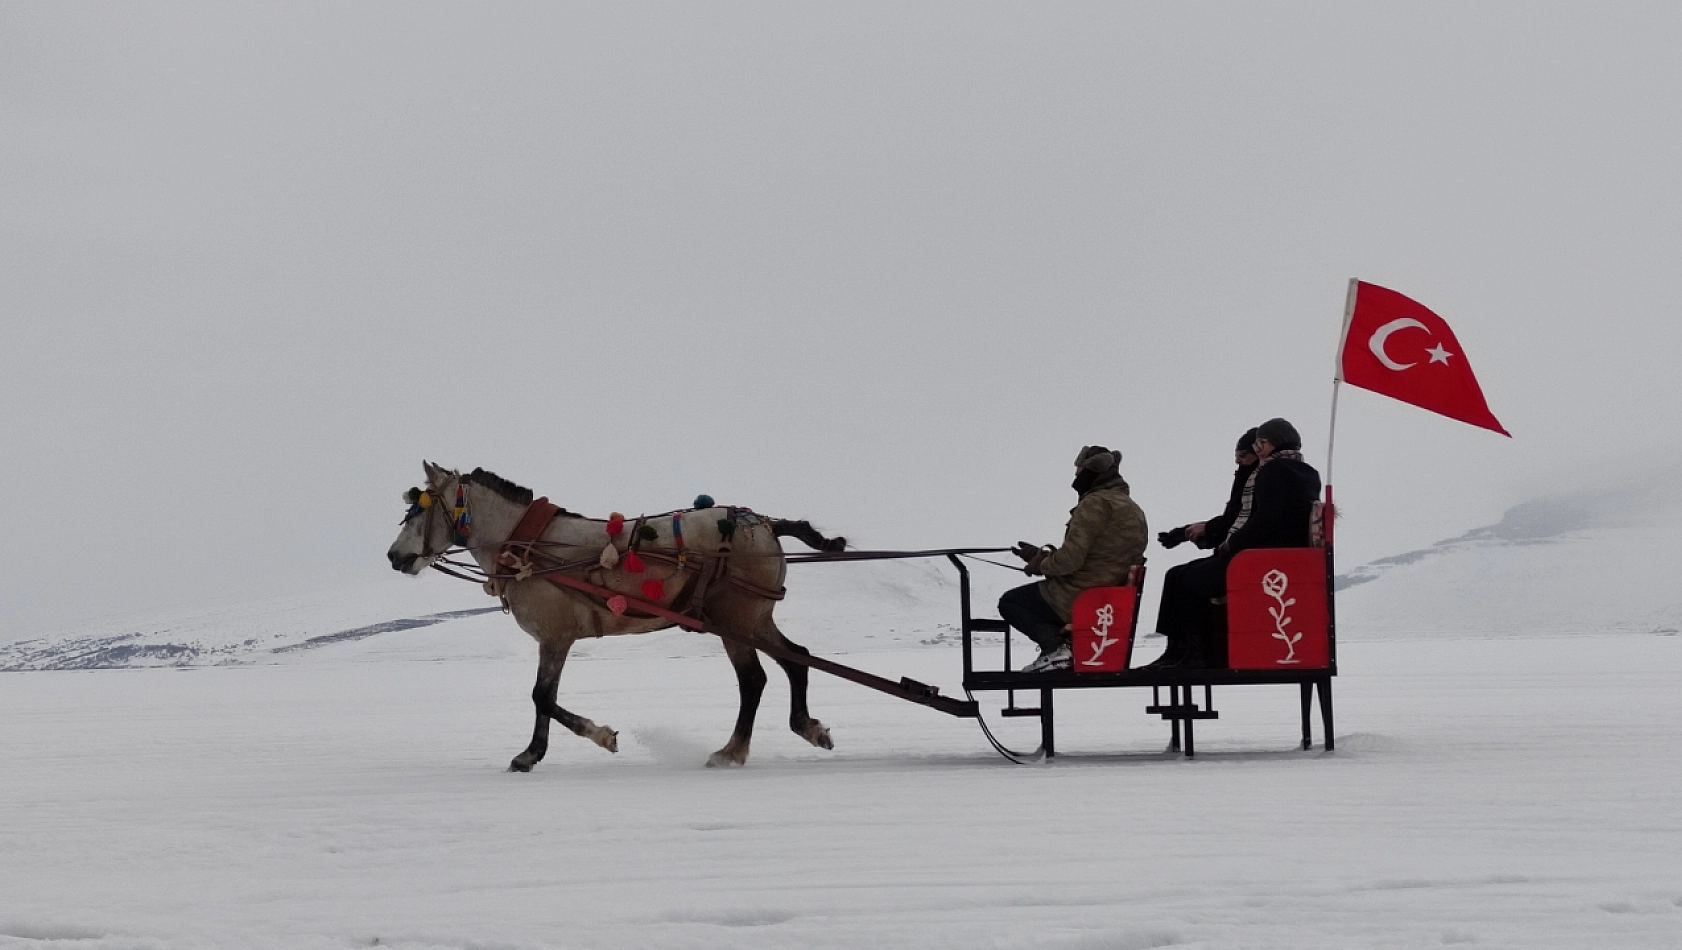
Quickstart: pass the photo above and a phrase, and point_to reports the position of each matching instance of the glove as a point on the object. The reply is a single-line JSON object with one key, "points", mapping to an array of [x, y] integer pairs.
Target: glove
{"points": [[1171, 539], [1033, 567], [1025, 551]]}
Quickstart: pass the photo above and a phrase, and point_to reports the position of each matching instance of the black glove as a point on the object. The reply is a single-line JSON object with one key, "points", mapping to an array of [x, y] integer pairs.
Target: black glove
{"points": [[1025, 551], [1171, 539]]}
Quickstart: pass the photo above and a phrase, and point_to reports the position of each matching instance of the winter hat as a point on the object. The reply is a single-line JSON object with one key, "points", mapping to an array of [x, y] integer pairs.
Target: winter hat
{"points": [[1096, 458], [1247, 441], [1282, 434]]}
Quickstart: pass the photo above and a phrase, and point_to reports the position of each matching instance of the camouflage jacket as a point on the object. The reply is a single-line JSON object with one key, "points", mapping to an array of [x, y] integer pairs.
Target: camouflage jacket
{"points": [[1106, 536]]}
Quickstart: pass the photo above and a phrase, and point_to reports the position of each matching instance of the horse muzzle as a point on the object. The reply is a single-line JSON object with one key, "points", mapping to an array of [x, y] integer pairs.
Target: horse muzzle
{"points": [[402, 562]]}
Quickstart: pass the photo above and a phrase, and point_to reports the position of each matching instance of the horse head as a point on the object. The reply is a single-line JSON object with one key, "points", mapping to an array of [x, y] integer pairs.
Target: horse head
{"points": [[431, 524]]}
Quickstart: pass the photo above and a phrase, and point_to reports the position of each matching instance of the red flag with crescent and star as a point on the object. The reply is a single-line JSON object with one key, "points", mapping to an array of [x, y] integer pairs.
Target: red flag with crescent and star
{"points": [[1397, 347]]}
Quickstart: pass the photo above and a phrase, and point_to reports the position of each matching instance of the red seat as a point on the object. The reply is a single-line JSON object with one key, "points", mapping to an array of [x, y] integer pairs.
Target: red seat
{"points": [[1277, 609], [1104, 620]]}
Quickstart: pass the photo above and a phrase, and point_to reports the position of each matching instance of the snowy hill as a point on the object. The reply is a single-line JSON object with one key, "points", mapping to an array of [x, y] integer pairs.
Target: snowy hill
{"points": [[1588, 562], [1585, 562], [833, 608]]}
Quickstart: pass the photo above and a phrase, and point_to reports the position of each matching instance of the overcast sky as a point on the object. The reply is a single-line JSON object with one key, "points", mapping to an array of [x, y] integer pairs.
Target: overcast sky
{"points": [[882, 266]]}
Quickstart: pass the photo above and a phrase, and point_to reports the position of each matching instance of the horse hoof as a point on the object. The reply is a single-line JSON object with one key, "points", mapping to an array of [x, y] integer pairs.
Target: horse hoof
{"points": [[723, 760], [606, 738], [817, 735], [519, 765]]}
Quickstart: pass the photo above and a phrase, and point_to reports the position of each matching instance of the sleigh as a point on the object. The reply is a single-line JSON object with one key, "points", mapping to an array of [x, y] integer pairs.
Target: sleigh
{"points": [[1275, 626]]}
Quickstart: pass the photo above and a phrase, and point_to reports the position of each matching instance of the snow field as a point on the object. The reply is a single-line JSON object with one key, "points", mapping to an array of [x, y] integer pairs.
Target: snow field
{"points": [[1496, 793]]}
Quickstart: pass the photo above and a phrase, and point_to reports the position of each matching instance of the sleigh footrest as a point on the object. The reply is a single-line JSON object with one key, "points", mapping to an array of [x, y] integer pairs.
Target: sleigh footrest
{"points": [[1181, 711], [1020, 711]]}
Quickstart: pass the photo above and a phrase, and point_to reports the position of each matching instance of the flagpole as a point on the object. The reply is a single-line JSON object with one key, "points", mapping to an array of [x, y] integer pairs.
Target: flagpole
{"points": [[1337, 385]]}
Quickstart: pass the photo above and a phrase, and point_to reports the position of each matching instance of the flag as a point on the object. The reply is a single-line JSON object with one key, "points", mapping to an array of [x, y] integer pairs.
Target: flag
{"points": [[1397, 347]]}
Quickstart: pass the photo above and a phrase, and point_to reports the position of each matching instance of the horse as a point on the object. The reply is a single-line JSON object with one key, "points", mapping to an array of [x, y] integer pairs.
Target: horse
{"points": [[723, 564]]}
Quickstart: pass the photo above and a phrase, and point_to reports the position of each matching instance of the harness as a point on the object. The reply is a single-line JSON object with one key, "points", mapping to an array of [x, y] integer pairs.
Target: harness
{"points": [[525, 555]]}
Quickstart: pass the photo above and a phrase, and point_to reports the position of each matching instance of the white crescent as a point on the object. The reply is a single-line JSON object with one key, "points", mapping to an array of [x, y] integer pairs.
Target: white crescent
{"points": [[1376, 344]]}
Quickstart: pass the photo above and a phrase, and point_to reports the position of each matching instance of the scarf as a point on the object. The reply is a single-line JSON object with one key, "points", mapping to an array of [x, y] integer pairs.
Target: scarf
{"points": [[1250, 489]]}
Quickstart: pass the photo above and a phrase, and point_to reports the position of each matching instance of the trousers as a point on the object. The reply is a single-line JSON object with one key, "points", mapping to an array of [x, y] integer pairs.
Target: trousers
{"points": [[1025, 608]]}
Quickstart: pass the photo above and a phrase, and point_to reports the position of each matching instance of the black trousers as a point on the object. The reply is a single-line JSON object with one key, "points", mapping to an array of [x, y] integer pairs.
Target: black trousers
{"points": [[1186, 594], [1025, 609]]}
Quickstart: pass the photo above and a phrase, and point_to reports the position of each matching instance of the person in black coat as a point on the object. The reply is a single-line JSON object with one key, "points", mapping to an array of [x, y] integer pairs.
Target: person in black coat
{"points": [[1207, 534], [1273, 512]]}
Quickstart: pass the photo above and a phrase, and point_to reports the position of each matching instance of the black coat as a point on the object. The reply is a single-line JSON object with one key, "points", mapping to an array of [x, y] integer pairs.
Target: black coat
{"points": [[1215, 530], [1285, 493]]}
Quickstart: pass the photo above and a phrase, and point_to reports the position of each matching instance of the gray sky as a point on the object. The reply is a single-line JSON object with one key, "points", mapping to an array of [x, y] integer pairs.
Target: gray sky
{"points": [[882, 266]]}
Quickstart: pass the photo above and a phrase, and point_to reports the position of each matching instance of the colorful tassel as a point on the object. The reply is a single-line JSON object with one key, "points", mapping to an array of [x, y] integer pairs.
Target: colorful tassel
{"points": [[633, 563], [615, 525], [726, 528], [653, 590], [617, 604], [647, 534], [609, 558]]}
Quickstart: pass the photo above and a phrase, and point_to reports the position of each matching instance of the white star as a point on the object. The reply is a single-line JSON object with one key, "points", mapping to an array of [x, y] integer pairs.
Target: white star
{"points": [[1439, 355]]}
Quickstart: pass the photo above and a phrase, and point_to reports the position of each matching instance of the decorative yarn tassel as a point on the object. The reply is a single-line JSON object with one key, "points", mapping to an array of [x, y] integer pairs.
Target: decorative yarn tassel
{"points": [[653, 590], [633, 563], [615, 525], [609, 558], [703, 501], [646, 533], [726, 529], [617, 603]]}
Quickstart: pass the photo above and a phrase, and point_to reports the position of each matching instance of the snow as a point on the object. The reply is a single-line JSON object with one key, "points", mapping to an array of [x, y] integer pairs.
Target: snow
{"points": [[1496, 783]]}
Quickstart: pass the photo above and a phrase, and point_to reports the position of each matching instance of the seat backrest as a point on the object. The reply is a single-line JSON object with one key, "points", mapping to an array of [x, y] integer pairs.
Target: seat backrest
{"points": [[1104, 622], [1277, 609]]}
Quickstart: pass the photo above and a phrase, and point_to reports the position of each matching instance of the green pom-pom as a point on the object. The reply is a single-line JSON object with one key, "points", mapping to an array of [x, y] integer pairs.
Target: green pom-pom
{"points": [[726, 528], [647, 533], [703, 501], [412, 496]]}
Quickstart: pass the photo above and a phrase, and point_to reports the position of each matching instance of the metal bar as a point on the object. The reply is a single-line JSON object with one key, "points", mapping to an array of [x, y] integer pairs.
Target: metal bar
{"points": [[1325, 688], [1307, 720], [1048, 725], [1191, 744], [879, 555], [963, 612]]}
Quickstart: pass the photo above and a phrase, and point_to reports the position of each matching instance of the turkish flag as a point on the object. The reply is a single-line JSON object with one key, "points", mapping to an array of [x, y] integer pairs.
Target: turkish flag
{"points": [[1397, 347]]}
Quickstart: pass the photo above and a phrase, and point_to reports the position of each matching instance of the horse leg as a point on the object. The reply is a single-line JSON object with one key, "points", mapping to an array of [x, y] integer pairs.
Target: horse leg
{"points": [[803, 724], [551, 658], [750, 679]]}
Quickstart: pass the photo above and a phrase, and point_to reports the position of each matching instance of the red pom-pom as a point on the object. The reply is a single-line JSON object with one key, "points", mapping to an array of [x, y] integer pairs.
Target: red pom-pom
{"points": [[615, 525], [633, 563], [617, 604], [653, 590]]}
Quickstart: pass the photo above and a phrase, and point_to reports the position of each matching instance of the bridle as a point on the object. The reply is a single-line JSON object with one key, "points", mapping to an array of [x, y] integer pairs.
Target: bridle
{"points": [[427, 503]]}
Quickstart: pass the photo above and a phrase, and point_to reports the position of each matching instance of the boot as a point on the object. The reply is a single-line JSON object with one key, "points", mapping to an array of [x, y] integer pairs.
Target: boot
{"points": [[1190, 658], [1170, 656]]}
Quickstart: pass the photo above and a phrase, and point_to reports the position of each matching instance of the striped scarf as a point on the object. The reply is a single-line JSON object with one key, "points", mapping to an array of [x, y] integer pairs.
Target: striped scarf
{"points": [[1250, 489]]}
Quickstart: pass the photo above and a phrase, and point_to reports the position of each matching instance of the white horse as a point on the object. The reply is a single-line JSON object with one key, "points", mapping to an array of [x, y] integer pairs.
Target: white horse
{"points": [[729, 569]]}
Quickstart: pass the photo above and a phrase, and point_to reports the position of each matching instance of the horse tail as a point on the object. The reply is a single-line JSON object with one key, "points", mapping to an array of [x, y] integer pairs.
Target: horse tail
{"points": [[804, 531]]}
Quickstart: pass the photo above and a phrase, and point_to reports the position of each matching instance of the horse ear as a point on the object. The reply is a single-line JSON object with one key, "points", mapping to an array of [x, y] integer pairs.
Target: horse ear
{"points": [[434, 474]]}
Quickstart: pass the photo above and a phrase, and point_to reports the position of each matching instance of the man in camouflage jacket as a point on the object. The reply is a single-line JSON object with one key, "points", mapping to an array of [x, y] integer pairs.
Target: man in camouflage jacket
{"points": [[1106, 537]]}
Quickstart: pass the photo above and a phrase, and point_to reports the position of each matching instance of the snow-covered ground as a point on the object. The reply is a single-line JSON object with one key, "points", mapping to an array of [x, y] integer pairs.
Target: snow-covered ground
{"points": [[1505, 776]]}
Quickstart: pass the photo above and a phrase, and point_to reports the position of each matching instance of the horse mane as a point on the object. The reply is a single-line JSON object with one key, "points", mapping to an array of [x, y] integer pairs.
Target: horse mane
{"points": [[502, 486], [518, 494]]}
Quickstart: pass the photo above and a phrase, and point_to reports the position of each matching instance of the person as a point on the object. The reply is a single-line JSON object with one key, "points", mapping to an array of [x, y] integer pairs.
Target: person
{"points": [[1206, 535], [1273, 512], [1105, 537]]}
